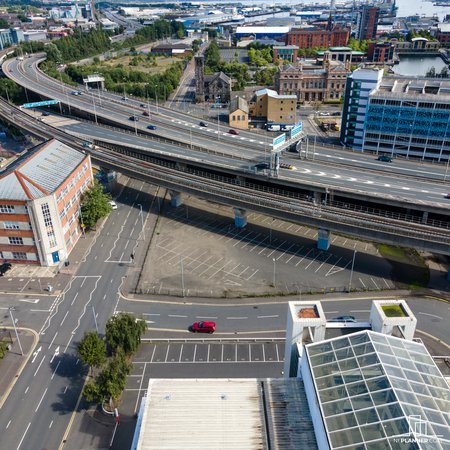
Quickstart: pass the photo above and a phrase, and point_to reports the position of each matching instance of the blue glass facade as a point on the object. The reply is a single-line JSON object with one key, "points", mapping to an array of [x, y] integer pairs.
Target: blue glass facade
{"points": [[416, 128]]}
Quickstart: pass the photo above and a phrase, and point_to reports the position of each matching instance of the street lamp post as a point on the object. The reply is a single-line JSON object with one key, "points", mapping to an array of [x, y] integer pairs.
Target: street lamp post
{"points": [[446, 169], [182, 275], [142, 221], [11, 309], [217, 106], [156, 97], [95, 318], [274, 271], [351, 272]]}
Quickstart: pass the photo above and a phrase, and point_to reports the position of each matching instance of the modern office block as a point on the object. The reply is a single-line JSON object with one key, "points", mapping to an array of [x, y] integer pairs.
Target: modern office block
{"points": [[409, 117], [358, 86]]}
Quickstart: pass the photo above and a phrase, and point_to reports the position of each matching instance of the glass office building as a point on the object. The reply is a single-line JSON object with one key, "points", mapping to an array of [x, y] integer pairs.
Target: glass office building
{"points": [[410, 118], [375, 391]]}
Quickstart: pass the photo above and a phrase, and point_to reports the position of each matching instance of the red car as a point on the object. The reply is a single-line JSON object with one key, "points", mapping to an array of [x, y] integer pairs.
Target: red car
{"points": [[203, 327], [233, 132], [145, 113]]}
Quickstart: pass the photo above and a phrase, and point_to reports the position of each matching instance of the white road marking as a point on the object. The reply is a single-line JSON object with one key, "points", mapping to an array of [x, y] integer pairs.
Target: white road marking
{"points": [[431, 315], [23, 437], [7, 425], [26, 390], [51, 343], [51, 423], [236, 318], [34, 300], [40, 364], [59, 362], [267, 317], [176, 315], [40, 401]]}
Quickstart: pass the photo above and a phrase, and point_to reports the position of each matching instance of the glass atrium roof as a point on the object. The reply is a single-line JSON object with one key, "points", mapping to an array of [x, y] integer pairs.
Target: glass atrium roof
{"points": [[380, 392]]}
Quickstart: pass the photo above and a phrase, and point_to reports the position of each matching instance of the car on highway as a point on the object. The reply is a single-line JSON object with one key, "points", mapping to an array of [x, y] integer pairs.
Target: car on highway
{"points": [[4, 268], [349, 319], [124, 98], [384, 158], [113, 204], [45, 113], [142, 105], [203, 327], [235, 132], [261, 166], [288, 166], [447, 196], [203, 124], [75, 93], [145, 113], [324, 114], [134, 118], [152, 127]]}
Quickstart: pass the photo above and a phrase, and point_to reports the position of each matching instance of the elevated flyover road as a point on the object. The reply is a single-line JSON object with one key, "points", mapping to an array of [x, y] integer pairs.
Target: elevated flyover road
{"points": [[307, 172], [170, 124], [279, 197]]}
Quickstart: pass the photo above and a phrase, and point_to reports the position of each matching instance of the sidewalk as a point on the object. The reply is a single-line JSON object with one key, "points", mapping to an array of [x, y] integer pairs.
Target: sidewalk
{"points": [[12, 364]]}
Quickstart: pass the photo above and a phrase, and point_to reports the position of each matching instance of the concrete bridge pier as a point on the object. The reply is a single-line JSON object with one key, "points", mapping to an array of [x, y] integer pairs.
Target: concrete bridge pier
{"points": [[240, 218], [323, 239], [175, 199]]}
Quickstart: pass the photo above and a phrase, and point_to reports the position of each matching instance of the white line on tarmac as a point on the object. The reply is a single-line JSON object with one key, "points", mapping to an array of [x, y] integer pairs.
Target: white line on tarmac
{"points": [[59, 362], [23, 437], [51, 423], [51, 343], [7, 425], [26, 390], [175, 315], [64, 318], [267, 317], [40, 364], [236, 318], [431, 315], [204, 317], [40, 401]]}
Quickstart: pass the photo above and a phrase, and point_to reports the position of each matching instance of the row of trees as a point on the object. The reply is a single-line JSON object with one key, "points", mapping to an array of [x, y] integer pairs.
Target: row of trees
{"points": [[135, 82], [158, 30], [122, 339], [235, 70]]}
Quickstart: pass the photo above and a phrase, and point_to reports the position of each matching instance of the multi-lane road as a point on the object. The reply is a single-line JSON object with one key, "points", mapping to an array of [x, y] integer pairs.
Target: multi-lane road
{"points": [[38, 411], [39, 408], [323, 166]]}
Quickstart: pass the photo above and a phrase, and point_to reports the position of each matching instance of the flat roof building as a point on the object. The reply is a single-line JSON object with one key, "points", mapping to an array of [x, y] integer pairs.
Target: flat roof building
{"points": [[409, 117]]}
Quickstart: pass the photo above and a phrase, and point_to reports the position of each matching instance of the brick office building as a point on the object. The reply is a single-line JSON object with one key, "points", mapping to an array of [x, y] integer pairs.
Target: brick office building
{"points": [[318, 37], [40, 204]]}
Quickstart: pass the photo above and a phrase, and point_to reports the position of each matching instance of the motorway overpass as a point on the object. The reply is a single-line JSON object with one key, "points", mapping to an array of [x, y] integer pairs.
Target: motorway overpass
{"points": [[224, 184]]}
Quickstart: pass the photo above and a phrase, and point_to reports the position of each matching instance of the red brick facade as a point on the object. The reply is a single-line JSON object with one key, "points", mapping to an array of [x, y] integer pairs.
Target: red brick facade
{"points": [[308, 38]]}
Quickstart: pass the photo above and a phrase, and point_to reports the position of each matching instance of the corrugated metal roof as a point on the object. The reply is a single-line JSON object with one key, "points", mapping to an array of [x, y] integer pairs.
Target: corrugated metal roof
{"points": [[262, 29], [39, 172], [216, 414]]}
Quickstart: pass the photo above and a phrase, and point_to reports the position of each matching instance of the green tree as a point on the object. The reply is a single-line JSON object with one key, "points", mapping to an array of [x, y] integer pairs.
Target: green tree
{"points": [[3, 349], [92, 350], [111, 381], [4, 23], [212, 57], [94, 205], [124, 331]]}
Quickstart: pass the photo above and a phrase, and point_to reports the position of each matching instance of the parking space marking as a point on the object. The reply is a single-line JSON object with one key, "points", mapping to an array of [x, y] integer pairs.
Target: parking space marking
{"points": [[329, 256], [362, 282], [373, 281], [315, 257]]}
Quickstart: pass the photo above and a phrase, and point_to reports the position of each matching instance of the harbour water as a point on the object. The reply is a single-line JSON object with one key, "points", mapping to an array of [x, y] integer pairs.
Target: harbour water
{"points": [[418, 65]]}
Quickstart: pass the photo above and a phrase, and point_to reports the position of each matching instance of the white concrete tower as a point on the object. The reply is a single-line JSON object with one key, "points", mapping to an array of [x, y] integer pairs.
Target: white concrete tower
{"points": [[305, 324]]}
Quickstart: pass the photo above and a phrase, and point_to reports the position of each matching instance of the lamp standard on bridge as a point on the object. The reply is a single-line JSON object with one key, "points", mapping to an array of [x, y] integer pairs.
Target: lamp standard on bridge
{"points": [[446, 169], [156, 97], [218, 110]]}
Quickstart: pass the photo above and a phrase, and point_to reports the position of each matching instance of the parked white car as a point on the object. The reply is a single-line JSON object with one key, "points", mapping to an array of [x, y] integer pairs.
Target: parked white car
{"points": [[113, 204]]}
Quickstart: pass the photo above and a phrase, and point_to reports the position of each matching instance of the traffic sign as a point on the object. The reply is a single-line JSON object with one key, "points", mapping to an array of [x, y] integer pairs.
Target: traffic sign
{"points": [[279, 140], [296, 130], [37, 104]]}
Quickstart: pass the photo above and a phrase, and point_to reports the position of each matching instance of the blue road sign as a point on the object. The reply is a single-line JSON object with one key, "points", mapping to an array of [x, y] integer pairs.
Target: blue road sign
{"points": [[37, 104], [279, 140], [296, 130]]}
